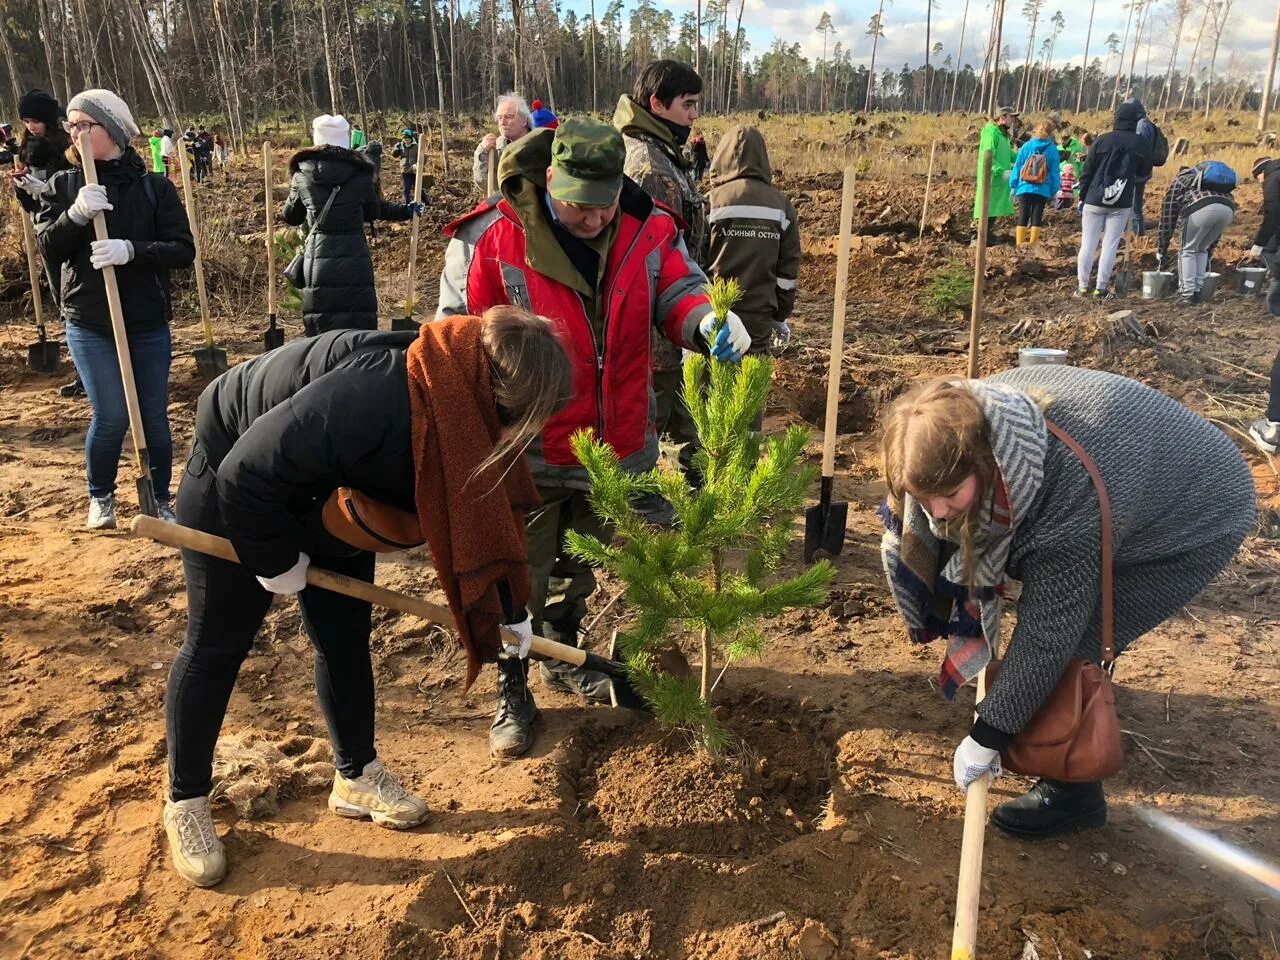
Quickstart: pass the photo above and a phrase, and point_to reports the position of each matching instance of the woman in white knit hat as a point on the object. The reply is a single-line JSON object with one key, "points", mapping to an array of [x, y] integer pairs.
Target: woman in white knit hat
{"points": [[149, 236], [334, 191]]}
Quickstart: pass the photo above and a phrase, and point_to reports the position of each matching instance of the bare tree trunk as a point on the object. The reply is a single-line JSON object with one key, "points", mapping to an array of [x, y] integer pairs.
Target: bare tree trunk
{"points": [[13, 78], [595, 103], [875, 42], [335, 103], [1124, 48], [1084, 66], [1191, 67], [357, 64], [737, 52], [995, 61], [955, 77], [435, 40], [454, 67], [1183, 8], [1024, 87], [515, 44], [1137, 40], [1264, 109], [928, 42], [697, 41], [45, 34], [1218, 27]]}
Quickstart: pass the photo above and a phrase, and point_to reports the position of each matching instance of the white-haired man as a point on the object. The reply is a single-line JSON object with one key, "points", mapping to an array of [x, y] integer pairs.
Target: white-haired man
{"points": [[514, 120]]}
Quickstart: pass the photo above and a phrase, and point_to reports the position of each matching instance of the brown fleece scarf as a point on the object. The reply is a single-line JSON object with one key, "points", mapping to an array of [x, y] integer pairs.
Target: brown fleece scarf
{"points": [[474, 526]]}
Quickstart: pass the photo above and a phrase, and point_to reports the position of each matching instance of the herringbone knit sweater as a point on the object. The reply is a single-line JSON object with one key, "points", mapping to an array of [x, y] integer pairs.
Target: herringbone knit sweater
{"points": [[1182, 500]]}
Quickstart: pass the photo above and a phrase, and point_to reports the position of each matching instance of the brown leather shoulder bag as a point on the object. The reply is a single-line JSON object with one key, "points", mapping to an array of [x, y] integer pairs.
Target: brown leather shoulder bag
{"points": [[1075, 735], [370, 524]]}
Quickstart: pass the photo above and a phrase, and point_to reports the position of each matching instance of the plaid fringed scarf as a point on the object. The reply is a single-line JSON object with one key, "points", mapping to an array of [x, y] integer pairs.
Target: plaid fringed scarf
{"points": [[925, 569]]}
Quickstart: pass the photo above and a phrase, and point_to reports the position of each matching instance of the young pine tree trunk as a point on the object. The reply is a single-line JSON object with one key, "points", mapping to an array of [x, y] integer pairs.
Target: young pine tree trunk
{"points": [[1084, 65]]}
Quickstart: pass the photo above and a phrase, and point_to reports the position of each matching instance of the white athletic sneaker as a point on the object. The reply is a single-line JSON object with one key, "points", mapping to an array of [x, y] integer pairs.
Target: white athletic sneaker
{"points": [[378, 795], [1265, 435], [198, 854], [102, 512]]}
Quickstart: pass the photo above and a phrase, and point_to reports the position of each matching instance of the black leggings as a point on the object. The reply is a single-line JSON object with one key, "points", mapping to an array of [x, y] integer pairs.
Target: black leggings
{"points": [[225, 608], [1031, 209]]}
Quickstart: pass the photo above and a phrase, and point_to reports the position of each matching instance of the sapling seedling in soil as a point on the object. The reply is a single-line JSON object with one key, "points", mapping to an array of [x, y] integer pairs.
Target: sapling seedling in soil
{"points": [[715, 572]]}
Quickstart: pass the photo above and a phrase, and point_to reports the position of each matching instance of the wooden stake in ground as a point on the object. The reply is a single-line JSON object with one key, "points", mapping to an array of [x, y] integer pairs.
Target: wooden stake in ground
{"points": [[964, 935], [44, 355], [210, 360], [979, 267], [928, 187], [273, 336], [146, 490], [410, 298]]}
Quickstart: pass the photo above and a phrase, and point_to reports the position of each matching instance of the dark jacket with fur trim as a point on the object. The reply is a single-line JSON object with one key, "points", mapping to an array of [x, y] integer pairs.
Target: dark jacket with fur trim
{"points": [[338, 291]]}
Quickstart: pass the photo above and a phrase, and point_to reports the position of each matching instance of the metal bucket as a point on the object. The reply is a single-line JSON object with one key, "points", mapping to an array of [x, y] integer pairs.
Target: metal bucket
{"points": [[1157, 284], [1037, 356], [1209, 287], [1249, 280]]}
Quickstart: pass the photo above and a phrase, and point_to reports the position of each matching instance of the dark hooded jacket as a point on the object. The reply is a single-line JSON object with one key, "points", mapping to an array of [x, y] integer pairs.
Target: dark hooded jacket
{"points": [[337, 270], [1116, 161], [755, 234], [145, 211], [1268, 236]]}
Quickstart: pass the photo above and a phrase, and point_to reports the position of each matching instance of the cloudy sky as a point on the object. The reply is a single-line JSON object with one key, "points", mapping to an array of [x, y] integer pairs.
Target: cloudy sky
{"points": [[1246, 39]]}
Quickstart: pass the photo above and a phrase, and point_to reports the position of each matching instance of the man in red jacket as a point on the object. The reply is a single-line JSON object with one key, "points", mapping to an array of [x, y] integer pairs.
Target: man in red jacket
{"points": [[574, 240]]}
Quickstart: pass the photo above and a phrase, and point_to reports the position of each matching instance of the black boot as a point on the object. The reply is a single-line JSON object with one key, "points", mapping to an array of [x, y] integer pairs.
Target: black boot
{"points": [[73, 389], [565, 678], [1051, 808], [511, 734]]}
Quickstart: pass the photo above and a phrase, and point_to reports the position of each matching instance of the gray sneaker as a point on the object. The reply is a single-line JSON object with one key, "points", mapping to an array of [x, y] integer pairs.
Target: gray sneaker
{"points": [[102, 512], [1265, 435], [511, 734], [198, 854]]}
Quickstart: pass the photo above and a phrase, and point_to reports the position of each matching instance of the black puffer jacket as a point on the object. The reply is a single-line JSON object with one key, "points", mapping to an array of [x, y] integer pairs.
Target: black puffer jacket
{"points": [[286, 429], [41, 156], [145, 211], [338, 291], [1116, 161]]}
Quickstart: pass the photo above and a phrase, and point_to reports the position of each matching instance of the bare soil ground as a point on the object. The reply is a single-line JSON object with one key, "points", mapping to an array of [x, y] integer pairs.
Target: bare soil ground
{"points": [[832, 830]]}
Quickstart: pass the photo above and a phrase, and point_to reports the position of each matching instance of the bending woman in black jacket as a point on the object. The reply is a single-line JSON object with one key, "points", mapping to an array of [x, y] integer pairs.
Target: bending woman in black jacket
{"points": [[275, 438], [149, 236], [334, 191]]}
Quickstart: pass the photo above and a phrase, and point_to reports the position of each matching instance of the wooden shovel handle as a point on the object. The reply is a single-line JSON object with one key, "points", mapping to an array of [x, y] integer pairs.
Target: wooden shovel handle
{"points": [[837, 323], [29, 241], [270, 202], [194, 220], [979, 267], [964, 935], [491, 170], [175, 535], [117, 321], [413, 230]]}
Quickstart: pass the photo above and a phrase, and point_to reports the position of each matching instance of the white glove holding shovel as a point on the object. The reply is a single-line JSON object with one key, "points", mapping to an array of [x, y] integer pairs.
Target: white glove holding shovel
{"points": [[292, 580]]}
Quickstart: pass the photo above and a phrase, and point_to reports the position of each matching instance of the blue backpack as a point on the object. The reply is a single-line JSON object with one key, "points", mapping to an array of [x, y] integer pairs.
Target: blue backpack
{"points": [[1217, 176]]}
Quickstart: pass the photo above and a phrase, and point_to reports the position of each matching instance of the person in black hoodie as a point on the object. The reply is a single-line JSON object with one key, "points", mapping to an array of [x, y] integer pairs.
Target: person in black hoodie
{"points": [[1265, 433], [1115, 162], [334, 191], [149, 236], [275, 440]]}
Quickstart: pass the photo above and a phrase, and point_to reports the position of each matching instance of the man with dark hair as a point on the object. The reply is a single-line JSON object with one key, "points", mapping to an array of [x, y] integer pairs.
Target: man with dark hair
{"points": [[655, 121]]}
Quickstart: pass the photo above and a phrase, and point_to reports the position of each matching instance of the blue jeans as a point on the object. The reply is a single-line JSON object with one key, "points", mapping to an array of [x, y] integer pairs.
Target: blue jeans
{"points": [[1139, 199], [94, 355]]}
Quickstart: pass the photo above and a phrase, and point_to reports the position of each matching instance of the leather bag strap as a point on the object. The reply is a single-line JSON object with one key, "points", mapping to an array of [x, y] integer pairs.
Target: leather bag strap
{"points": [[1104, 509]]}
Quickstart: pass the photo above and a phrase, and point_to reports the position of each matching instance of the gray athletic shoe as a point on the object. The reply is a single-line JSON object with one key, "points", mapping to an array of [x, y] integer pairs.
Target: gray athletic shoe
{"points": [[102, 512], [1265, 435]]}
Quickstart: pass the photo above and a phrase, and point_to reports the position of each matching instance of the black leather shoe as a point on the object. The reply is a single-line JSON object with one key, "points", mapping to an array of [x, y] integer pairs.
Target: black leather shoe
{"points": [[73, 389], [511, 734], [1051, 808]]}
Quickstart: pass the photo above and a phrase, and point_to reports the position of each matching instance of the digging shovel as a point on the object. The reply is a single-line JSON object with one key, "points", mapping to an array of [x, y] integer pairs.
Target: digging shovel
{"points": [[1123, 281], [491, 162], [273, 336], [824, 524], [407, 322], [44, 355], [211, 361], [964, 935], [146, 491], [174, 535]]}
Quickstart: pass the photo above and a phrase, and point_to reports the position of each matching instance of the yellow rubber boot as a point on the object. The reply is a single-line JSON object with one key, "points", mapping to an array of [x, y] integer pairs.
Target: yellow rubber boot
{"points": [[1034, 235], [1020, 236]]}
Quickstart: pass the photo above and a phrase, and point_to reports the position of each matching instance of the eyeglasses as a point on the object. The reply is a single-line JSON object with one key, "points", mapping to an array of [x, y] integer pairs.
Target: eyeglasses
{"points": [[81, 126]]}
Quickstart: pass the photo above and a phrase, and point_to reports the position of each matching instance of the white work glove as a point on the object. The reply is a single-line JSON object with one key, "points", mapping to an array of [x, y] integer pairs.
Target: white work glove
{"points": [[33, 186], [110, 253], [972, 760], [523, 630], [1255, 252], [731, 342], [781, 337], [292, 580], [90, 201]]}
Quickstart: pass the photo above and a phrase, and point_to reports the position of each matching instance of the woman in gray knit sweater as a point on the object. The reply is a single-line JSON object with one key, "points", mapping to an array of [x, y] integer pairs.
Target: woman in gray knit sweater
{"points": [[980, 491]]}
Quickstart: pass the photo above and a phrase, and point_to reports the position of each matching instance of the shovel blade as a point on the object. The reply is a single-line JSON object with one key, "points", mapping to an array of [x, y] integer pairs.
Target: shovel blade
{"points": [[1123, 283], [272, 338], [211, 361], [399, 324], [44, 356], [824, 530]]}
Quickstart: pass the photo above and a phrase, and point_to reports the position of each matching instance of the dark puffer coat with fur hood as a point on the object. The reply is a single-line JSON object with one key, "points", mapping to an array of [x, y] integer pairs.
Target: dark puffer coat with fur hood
{"points": [[338, 291]]}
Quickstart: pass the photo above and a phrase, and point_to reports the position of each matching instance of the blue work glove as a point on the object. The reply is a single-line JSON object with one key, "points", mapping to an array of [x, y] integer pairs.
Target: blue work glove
{"points": [[731, 342]]}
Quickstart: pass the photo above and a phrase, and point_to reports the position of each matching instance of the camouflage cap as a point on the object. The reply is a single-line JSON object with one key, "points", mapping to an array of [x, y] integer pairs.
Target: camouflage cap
{"points": [[586, 162]]}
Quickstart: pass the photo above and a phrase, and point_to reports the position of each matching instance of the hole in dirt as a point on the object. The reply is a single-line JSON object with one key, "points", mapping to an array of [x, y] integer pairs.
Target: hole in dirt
{"points": [[800, 386], [767, 788]]}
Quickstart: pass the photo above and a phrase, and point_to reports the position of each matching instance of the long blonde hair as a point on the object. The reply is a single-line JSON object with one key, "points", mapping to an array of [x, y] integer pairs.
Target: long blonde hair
{"points": [[532, 377], [935, 436]]}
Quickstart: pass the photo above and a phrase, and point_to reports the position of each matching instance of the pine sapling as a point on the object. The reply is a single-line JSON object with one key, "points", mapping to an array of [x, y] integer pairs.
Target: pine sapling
{"points": [[714, 573]]}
